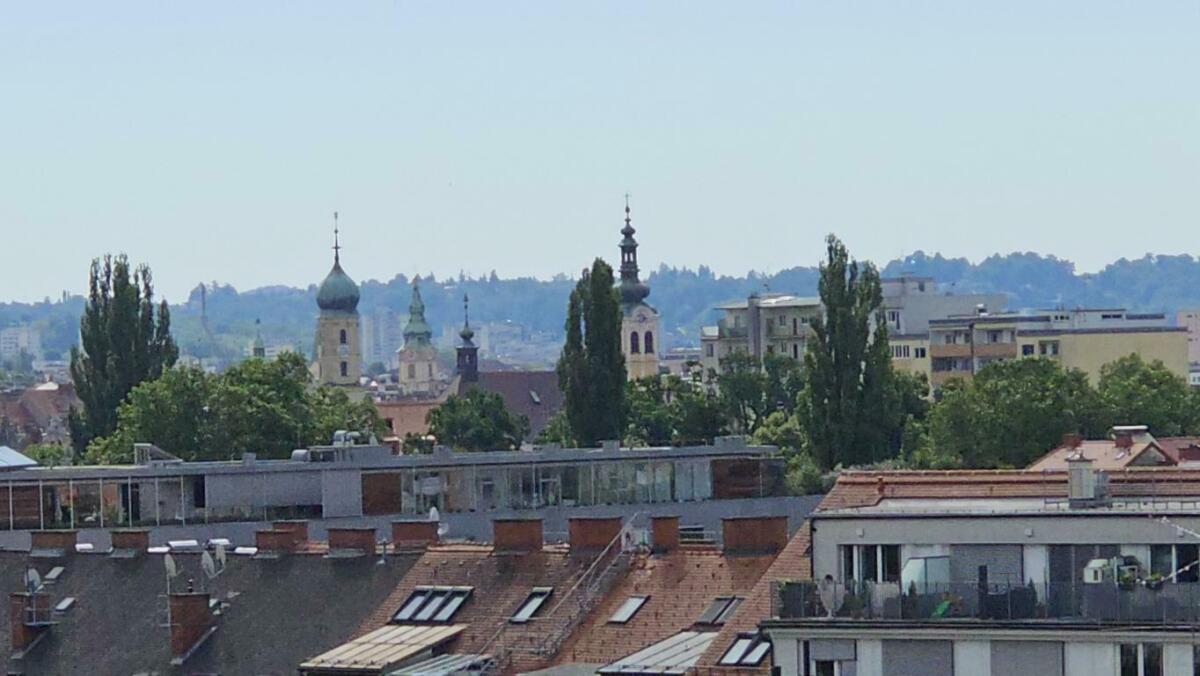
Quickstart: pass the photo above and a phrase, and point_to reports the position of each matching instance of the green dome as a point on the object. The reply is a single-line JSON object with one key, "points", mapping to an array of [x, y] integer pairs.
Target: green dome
{"points": [[338, 291]]}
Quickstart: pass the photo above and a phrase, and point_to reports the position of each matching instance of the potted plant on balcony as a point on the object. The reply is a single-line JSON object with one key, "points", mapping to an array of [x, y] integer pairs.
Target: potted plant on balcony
{"points": [[1153, 581], [1127, 580]]}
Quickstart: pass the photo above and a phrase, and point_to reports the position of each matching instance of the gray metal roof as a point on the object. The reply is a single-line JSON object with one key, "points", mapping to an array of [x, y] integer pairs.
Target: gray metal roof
{"points": [[11, 459], [674, 655]]}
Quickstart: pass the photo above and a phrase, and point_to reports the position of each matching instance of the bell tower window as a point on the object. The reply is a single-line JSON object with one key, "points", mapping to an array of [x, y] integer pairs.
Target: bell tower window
{"points": [[342, 337], [633, 343], [345, 368], [649, 343]]}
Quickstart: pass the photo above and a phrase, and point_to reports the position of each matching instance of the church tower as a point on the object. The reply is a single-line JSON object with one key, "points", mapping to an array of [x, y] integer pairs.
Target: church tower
{"points": [[258, 349], [467, 364], [418, 357], [339, 349], [639, 321]]}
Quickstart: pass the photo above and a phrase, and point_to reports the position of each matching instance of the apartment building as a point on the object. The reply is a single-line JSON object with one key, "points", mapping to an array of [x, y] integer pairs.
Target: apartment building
{"points": [[998, 573], [1084, 339]]}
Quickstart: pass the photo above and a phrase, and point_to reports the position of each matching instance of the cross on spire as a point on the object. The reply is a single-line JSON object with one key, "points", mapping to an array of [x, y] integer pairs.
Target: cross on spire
{"points": [[336, 247], [627, 219]]}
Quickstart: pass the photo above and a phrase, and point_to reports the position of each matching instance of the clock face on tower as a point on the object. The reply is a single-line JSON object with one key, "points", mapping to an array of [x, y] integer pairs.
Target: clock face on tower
{"points": [[641, 318]]}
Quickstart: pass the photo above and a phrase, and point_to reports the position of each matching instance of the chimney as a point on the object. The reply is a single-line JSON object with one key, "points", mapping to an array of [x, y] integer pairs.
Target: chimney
{"points": [[191, 623], [1072, 440], [53, 541], [592, 532], [1083, 488], [136, 540], [754, 534], [1124, 440], [664, 533], [415, 534], [275, 541], [29, 615], [297, 527], [517, 535], [360, 539]]}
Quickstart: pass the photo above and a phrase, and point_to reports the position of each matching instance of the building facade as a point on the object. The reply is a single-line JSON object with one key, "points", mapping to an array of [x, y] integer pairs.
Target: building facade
{"points": [[338, 343], [763, 324], [639, 321]]}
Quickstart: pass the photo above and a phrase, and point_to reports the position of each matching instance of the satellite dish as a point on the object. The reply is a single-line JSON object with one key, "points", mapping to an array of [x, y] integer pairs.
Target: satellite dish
{"points": [[33, 581], [433, 514], [169, 562], [207, 564], [443, 528], [221, 556]]}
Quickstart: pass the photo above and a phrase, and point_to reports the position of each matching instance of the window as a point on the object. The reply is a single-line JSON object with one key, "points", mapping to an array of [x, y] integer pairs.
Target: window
{"points": [[628, 609], [871, 563], [1027, 350], [781, 321], [748, 650], [795, 326], [412, 371], [1141, 659], [342, 337], [919, 352], [198, 496], [532, 603], [708, 350], [1048, 348], [344, 369], [648, 344], [1176, 563], [432, 604], [719, 610], [429, 368], [795, 350], [633, 343]]}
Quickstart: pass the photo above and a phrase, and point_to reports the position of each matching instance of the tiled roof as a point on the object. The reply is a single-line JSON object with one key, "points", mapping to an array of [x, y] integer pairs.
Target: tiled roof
{"points": [[1105, 455], [1173, 445], [680, 585], [533, 394]]}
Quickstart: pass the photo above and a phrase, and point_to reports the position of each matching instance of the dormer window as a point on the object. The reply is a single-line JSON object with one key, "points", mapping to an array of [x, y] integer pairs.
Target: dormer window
{"points": [[747, 651]]}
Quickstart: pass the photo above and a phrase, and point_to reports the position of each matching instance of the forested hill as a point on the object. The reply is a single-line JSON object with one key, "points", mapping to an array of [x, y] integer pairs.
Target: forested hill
{"points": [[684, 297]]}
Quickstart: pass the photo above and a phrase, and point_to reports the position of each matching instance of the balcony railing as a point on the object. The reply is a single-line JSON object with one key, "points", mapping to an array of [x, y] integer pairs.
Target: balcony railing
{"points": [[1073, 602]]}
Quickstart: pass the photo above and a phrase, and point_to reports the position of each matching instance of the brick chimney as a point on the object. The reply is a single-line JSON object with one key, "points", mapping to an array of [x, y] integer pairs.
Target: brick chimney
{"points": [[136, 539], [414, 534], [297, 527], [1124, 440], [25, 624], [362, 539], [592, 532], [754, 534], [191, 622], [275, 540], [54, 539], [1072, 440], [517, 535], [664, 533]]}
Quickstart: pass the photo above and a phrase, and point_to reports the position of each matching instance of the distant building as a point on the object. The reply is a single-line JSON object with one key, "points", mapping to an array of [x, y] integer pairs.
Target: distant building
{"points": [[639, 321], [418, 358], [382, 336], [39, 414], [338, 346], [1084, 339], [16, 340], [1190, 320], [681, 361], [258, 348]]}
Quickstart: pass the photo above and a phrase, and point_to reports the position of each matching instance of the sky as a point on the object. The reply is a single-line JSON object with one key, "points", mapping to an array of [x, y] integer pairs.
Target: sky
{"points": [[215, 140]]}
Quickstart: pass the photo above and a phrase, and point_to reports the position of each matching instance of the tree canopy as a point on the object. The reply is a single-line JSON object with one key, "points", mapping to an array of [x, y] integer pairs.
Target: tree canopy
{"points": [[591, 369], [477, 421]]}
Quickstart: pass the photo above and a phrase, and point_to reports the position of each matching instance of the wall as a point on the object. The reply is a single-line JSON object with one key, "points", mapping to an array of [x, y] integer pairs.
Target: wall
{"points": [[341, 493], [1091, 351], [329, 352]]}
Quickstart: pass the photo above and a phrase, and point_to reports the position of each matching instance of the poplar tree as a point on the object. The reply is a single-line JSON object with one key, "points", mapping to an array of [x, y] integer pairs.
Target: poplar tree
{"points": [[591, 369], [124, 340]]}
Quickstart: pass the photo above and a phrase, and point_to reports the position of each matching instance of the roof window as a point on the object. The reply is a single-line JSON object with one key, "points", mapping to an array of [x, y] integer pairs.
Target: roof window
{"points": [[748, 650], [719, 610], [628, 609], [432, 604], [532, 603]]}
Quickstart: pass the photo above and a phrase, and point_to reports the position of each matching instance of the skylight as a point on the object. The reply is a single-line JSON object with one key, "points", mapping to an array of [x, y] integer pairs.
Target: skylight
{"points": [[748, 650], [536, 598], [432, 604], [628, 609], [719, 610]]}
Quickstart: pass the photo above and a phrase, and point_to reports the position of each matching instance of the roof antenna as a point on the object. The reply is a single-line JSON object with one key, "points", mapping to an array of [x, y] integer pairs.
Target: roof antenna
{"points": [[336, 247]]}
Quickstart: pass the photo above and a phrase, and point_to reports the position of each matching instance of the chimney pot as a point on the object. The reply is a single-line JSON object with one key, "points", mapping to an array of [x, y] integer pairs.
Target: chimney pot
{"points": [[414, 534], [191, 621], [591, 532], [362, 539], [664, 533], [754, 535], [517, 535]]}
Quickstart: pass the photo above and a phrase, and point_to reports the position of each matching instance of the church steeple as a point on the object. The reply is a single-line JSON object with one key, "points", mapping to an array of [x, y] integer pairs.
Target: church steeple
{"points": [[633, 291], [467, 363], [259, 348], [417, 332]]}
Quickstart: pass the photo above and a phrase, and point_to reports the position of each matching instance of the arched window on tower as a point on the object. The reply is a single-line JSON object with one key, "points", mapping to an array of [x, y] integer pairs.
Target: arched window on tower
{"points": [[412, 371], [342, 337], [648, 344], [430, 368], [633, 343], [345, 368]]}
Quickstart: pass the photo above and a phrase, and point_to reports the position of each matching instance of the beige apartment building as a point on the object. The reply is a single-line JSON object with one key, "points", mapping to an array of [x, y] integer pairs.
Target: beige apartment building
{"points": [[1084, 339]]}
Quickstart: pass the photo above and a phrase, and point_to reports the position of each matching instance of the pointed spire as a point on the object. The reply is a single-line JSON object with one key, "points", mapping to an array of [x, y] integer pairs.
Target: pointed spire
{"points": [[336, 246], [631, 288], [467, 332]]}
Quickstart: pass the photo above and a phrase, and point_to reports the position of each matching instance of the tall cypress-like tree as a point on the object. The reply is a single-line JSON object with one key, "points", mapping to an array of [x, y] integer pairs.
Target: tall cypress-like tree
{"points": [[123, 341], [847, 406], [591, 369]]}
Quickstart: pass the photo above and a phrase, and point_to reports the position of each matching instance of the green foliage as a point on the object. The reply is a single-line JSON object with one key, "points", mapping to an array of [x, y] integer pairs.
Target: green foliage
{"points": [[781, 429], [1134, 392], [751, 390], [123, 342], [804, 476], [477, 421], [591, 369], [850, 410], [556, 431], [649, 419], [48, 455], [258, 406], [1011, 413]]}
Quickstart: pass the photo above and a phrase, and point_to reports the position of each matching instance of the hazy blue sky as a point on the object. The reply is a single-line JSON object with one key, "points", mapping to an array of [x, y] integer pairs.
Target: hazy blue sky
{"points": [[214, 139]]}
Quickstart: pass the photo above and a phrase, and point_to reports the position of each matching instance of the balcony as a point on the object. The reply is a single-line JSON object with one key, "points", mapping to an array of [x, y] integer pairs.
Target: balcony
{"points": [[1004, 350], [1102, 603], [937, 350]]}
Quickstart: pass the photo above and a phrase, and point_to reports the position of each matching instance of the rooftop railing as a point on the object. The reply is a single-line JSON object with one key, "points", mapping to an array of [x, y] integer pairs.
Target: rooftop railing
{"points": [[1065, 602]]}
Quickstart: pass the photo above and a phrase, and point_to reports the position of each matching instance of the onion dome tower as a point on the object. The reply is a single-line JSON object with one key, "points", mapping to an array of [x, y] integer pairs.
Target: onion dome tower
{"points": [[339, 349], [639, 321]]}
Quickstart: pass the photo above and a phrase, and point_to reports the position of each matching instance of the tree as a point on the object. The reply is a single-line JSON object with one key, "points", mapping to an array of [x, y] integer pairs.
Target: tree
{"points": [[848, 410], [48, 455], [123, 341], [698, 416], [750, 390], [591, 369], [556, 431], [1134, 392], [477, 421], [1011, 413], [650, 419]]}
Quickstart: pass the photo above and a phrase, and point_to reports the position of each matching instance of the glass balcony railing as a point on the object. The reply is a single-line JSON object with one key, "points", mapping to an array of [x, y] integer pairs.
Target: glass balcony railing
{"points": [[1105, 602]]}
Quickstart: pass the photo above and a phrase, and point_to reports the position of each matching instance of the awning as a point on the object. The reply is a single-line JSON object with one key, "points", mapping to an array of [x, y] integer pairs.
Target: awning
{"points": [[445, 665], [383, 648], [674, 655]]}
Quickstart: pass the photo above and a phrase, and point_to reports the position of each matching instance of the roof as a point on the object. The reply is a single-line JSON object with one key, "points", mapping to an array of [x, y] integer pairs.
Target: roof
{"points": [[773, 301], [674, 655], [337, 292], [1105, 454], [533, 394], [384, 648], [309, 605], [443, 665], [11, 459], [1173, 445]]}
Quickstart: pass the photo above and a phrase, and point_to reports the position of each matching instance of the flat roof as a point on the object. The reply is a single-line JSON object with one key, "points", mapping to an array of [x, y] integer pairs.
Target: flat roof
{"points": [[383, 648], [775, 300]]}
